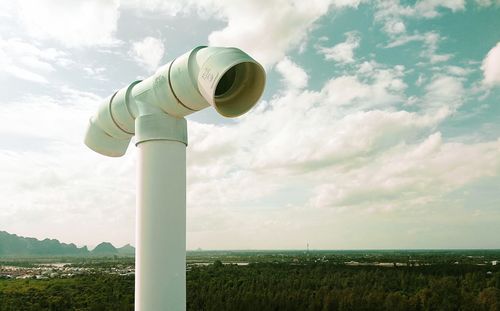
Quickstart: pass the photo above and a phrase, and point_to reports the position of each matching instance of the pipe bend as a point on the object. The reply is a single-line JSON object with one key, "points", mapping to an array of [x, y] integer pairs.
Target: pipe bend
{"points": [[226, 78]]}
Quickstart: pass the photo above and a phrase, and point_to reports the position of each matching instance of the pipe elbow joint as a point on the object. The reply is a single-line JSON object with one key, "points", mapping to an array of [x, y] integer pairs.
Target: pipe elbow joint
{"points": [[110, 130]]}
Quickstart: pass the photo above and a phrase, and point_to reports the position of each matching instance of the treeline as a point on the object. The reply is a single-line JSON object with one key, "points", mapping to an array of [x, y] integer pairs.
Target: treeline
{"points": [[338, 287], [273, 286], [96, 292]]}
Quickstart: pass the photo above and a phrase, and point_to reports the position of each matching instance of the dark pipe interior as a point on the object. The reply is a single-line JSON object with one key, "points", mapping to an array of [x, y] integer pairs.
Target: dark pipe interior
{"points": [[226, 82]]}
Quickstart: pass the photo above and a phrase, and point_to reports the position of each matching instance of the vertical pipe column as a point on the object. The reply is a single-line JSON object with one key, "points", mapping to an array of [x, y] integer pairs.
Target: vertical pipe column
{"points": [[160, 281]]}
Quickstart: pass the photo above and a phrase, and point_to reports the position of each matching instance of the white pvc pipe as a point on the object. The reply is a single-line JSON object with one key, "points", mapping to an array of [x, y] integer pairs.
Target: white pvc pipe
{"points": [[152, 110], [160, 279]]}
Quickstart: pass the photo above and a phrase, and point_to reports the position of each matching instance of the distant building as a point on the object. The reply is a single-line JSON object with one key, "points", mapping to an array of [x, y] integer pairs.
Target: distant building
{"points": [[494, 262]]}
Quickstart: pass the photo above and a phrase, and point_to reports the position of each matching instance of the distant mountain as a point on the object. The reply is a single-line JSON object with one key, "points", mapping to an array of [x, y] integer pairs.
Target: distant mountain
{"points": [[12, 245], [127, 250], [105, 249]]}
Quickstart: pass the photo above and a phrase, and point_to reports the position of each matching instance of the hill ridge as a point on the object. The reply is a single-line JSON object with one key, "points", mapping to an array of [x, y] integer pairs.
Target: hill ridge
{"points": [[13, 245]]}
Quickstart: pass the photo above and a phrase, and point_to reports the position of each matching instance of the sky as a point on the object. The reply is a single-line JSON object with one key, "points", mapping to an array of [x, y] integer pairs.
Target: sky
{"points": [[379, 127]]}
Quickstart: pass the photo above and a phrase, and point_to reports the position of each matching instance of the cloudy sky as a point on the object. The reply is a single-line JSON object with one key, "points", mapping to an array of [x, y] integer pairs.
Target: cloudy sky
{"points": [[379, 126]]}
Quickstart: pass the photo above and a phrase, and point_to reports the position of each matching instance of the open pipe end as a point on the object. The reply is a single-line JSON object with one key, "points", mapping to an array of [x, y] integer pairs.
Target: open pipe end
{"points": [[230, 80]]}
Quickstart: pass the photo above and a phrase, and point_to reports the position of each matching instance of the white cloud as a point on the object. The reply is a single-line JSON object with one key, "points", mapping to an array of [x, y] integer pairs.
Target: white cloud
{"points": [[429, 8], [96, 73], [265, 29], [348, 142], [342, 52], [148, 52], [491, 66], [56, 116], [26, 61], [294, 77], [171, 8], [346, 3], [73, 23], [458, 71], [394, 26], [430, 42], [391, 13], [487, 3], [408, 176], [372, 86], [53, 185], [328, 127], [444, 93]]}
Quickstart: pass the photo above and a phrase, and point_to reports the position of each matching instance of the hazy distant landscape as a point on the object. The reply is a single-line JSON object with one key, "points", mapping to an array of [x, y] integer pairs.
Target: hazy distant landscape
{"points": [[12, 245], [51, 276]]}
